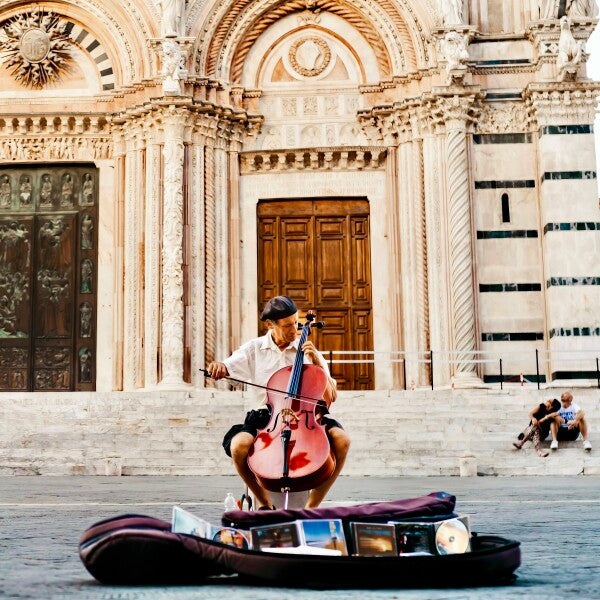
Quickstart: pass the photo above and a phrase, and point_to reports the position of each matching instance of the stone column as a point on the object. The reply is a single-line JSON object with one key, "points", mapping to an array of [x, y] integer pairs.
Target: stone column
{"points": [[132, 318], [172, 316], [152, 259], [210, 269], [570, 224], [437, 235], [457, 116]]}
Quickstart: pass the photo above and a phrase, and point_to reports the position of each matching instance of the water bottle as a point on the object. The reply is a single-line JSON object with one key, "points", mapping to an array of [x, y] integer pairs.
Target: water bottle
{"points": [[230, 503]]}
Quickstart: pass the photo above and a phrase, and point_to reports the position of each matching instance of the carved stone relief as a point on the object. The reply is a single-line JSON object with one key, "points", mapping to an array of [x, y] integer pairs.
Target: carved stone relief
{"points": [[85, 366], [309, 56], [66, 191], [87, 270], [25, 188], [87, 232], [85, 320], [87, 190]]}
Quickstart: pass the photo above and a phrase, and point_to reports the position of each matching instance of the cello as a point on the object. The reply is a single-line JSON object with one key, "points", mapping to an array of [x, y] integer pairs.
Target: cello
{"points": [[292, 453]]}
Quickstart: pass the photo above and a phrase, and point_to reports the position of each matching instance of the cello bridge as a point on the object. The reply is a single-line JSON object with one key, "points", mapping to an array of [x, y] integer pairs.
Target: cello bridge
{"points": [[288, 413]]}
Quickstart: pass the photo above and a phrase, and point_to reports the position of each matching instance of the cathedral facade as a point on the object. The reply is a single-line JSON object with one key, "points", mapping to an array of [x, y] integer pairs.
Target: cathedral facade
{"points": [[420, 172]]}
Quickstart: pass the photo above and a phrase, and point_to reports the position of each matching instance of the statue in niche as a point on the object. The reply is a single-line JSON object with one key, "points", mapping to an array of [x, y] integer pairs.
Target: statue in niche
{"points": [[85, 320], [87, 190], [85, 366], [87, 232], [452, 12], [46, 191], [581, 8], [569, 52], [173, 12], [25, 188], [85, 286], [66, 192], [5, 192], [173, 62]]}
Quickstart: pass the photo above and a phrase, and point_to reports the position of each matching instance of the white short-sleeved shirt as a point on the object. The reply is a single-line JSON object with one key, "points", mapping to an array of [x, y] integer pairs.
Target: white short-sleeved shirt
{"points": [[568, 414], [259, 358]]}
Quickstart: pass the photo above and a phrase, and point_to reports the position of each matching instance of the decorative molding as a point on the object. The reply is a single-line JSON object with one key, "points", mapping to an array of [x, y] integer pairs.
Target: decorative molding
{"points": [[505, 117], [321, 59], [315, 159], [210, 270], [568, 103]]}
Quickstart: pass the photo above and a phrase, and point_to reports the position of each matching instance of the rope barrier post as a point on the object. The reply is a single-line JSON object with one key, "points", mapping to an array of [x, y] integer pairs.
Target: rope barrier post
{"points": [[537, 367], [330, 361], [431, 366], [404, 372], [598, 371], [501, 376]]}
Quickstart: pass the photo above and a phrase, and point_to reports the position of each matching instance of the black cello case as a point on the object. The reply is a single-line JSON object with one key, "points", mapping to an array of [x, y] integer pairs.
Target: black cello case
{"points": [[141, 550]]}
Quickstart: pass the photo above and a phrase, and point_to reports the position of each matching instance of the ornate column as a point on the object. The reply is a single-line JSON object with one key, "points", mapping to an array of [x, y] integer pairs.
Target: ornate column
{"points": [[457, 111], [172, 317], [152, 258], [132, 319], [210, 293]]}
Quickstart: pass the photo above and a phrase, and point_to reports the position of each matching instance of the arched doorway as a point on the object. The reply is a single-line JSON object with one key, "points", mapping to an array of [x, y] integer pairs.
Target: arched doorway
{"points": [[318, 253]]}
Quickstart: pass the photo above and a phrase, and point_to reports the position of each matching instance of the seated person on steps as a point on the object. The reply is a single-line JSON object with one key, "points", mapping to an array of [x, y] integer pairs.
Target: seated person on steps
{"points": [[539, 425], [255, 362], [568, 423]]}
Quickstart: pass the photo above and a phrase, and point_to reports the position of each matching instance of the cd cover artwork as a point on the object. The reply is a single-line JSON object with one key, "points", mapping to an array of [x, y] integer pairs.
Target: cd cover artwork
{"points": [[413, 538], [233, 537], [374, 539], [284, 535], [328, 534]]}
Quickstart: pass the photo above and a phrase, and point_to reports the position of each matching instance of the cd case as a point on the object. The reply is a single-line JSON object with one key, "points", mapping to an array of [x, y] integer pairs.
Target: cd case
{"points": [[327, 534], [450, 536], [374, 539]]}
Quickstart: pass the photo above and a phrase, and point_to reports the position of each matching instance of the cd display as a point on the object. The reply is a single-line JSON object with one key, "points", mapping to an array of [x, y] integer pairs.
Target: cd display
{"points": [[231, 537], [452, 537]]}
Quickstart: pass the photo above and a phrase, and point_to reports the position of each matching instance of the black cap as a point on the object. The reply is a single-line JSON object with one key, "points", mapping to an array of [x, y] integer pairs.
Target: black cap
{"points": [[279, 307]]}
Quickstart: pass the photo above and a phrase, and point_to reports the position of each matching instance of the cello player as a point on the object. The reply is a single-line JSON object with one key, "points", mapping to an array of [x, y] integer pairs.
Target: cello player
{"points": [[255, 362]]}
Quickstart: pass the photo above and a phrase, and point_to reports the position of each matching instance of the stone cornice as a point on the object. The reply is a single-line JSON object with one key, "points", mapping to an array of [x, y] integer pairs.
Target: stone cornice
{"points": [[567, 103]]}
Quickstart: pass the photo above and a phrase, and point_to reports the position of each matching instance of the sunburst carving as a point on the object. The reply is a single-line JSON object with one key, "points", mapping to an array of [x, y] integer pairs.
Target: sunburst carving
{"points": [[35, 48]]}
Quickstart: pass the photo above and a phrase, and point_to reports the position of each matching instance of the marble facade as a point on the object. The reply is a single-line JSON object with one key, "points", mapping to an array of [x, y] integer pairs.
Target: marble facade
{"points": [[194, 111]]}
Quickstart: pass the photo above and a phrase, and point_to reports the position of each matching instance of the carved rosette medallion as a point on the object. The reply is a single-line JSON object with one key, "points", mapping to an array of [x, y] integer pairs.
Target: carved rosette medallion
{"points": [[35, 48], [309, 56]]}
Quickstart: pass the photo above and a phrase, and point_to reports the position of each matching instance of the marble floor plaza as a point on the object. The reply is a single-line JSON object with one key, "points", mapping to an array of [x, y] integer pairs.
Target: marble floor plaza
{"points": [[556, 519]]}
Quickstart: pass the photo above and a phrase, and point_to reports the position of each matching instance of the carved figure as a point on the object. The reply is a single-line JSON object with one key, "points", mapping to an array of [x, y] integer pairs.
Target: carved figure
{"points": [[85, 366], [569, 52], [86, 276], [452, 12], [272, 139], [46, 191], [25, 190], [66, 194], [85, 320], [87, 232], [453, 47], [5, 192], [173, 12], [172, 67], [87, 190], [581, 8]]}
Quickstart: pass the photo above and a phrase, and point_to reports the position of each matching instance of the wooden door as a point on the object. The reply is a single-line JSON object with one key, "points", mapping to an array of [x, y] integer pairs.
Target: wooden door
{"points": [[48, 258], [318, 253]]}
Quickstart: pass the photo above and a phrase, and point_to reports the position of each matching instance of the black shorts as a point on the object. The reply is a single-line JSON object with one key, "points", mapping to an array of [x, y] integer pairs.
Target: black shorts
{"points": [[259, 419], [567, 435]]}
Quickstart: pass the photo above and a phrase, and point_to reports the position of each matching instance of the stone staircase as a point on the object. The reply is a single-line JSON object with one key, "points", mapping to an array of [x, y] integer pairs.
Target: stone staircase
{"points": [[393, 433]]}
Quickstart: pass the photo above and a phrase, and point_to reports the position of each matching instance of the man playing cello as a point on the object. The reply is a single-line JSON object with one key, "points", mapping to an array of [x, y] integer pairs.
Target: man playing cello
{"points": [[255, 362]]}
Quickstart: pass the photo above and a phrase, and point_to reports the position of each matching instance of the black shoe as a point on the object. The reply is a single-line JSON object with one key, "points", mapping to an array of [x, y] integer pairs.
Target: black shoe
{"points": [[266, 508], [520, 436]]}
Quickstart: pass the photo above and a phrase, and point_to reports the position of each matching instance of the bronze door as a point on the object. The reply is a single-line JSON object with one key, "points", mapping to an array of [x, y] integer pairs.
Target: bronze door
{"points": [[318, 253], [48, 265]]}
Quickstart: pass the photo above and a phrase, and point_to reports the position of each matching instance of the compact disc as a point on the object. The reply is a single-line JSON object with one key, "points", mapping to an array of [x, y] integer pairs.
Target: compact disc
{"points": [[452, 537]]}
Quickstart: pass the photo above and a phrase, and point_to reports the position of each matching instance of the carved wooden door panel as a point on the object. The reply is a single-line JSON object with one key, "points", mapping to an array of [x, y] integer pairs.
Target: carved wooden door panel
{"points": [[317, 252], [48, 264]]}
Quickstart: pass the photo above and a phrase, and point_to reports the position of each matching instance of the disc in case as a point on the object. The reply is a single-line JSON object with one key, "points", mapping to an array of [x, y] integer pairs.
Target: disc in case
{"points": [[452, 537]]}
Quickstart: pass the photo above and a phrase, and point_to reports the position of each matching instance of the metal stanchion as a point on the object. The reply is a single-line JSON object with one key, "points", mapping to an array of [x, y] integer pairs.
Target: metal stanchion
{"points": [[501, 376], [537, 366], [330, 361], [404, 372], [431, 366], [598, 371]]}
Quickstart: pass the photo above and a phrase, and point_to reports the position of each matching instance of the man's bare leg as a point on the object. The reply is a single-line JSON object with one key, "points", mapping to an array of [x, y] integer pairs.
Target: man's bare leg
{"points": [[240, 446], [583, 429], [554, 429], [340, 444]]}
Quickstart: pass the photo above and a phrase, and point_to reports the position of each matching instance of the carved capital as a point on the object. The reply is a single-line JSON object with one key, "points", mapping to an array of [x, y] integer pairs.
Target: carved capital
{"points": [[567, 103], [505, 117], [456, 109]]}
